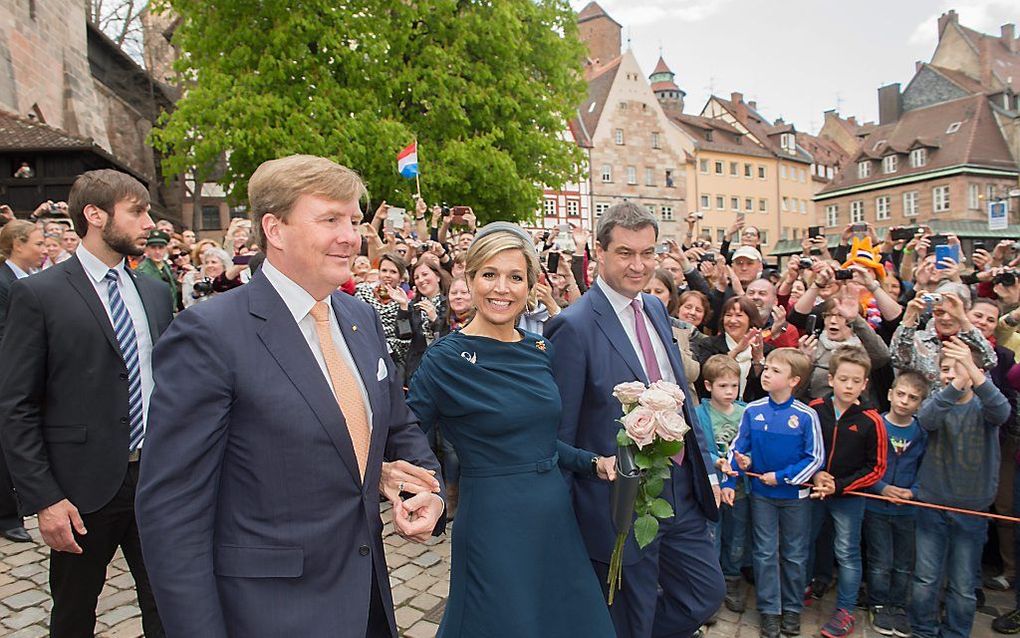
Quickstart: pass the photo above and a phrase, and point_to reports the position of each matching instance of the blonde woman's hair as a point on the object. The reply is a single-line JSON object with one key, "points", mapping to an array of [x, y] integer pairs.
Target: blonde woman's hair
{"points": [[483, 249], [277, 184], [17, 230]]}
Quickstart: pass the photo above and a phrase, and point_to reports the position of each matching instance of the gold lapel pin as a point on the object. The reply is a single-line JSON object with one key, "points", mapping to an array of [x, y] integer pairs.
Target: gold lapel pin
{"points": [[540, 345], [354, 328]]}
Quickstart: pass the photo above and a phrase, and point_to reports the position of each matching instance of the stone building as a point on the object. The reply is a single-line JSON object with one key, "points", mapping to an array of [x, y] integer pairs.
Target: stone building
{"points": [[944, 147]]}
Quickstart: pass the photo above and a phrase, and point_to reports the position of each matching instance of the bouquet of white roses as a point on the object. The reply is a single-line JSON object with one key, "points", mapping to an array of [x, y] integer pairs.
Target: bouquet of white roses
{"points": [[652, 435]]}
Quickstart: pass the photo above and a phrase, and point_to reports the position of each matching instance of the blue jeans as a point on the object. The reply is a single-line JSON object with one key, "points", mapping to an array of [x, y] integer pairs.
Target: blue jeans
{"points": [[948, 545], [782, 532], [890, 541], [847, 513], [731, 535]]}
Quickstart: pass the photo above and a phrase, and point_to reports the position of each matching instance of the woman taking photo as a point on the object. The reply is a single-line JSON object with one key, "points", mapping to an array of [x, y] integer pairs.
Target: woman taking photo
{"points": [[519, 564], [740, 339], [217, 274], [429, 315], [390, 301]]}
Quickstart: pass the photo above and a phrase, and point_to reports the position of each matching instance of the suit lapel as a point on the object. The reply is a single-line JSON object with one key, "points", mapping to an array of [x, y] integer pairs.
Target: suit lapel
{"points": [[287, 345], [149, 303], [662, 328], [609, 322], [81, 283]]}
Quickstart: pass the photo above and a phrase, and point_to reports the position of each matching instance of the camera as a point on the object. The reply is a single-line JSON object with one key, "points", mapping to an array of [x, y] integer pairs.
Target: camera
{"points": [[661, 248], [931, 298], [202, 288], [805, 262], [1007, 278], [844, 274], [709, 257]]}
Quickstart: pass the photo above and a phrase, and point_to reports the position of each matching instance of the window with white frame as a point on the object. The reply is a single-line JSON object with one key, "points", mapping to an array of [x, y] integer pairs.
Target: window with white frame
{"points": [[666, 213], [734, 203], [649, 176], [748, 204], [782, 171], [718, 168], [763, 205], [889, 164], [600, 208], [803, 207], [573, 208], [761, 172], [720, 202], [803, 175], [632, 175], [748, 171], [703, 166], [882, 207], [832, 215], [720, 235], [764, 235], [619, 136], [651, 208], [857, 211], [788, 142], [550, 207], [655, 140], [973, 196], [910, 205], [734, 168], [786, 203], [990, 193], [607, 173], [704, 201], [940, 198], [918, 157], [864, 169], [828, 172]]}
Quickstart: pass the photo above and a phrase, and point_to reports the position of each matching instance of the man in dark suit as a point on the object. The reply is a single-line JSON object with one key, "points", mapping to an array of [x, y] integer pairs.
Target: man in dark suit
{"points": [[276, 405], [615, 334], [74, 383]]}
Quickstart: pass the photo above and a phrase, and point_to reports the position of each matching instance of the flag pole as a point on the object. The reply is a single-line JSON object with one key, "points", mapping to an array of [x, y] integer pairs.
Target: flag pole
{"points": [[417, 180]]}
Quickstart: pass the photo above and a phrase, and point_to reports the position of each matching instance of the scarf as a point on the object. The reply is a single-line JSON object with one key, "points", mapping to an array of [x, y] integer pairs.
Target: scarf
{"points": [[743, 360]]}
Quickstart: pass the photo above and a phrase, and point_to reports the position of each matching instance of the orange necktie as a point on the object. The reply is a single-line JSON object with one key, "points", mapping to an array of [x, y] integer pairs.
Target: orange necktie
{"points": [[345, 385]]}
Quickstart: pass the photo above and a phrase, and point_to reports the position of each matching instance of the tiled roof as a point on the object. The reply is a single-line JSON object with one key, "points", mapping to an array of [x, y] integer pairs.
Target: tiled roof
{"points": [[977, 140], [1004, 63], [762, 129], [661, 67], [664, 86], [590, 110], [823, 150], [21, 134], [724, 136], [591, 11], [960, 79]]}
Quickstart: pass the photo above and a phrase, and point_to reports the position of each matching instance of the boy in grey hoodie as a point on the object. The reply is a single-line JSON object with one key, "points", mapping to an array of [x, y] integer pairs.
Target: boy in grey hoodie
{"points": [[962, 420]]}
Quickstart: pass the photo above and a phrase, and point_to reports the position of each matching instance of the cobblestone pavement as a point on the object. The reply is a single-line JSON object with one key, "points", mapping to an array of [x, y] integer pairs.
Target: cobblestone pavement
{"points": [[419, 575]]}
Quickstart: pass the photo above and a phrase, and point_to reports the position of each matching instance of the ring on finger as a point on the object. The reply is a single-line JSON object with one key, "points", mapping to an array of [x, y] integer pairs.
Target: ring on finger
{"points": [[400, 487]]}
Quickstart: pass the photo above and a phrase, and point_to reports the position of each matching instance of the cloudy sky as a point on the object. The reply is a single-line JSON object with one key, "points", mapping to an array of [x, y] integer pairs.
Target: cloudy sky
{"points": [[797, 58]]}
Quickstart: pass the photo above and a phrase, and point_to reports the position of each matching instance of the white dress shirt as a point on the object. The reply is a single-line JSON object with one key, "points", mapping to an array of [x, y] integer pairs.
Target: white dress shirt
{"points": [[624, 311], [18, 272], [96, 271], [300, 305]]}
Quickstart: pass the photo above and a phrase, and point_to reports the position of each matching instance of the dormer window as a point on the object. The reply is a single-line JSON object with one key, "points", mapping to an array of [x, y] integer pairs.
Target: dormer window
{"points": [[918, 157], [788, 142], [954, 127], [889, 164], [708, 136], [863, 169]]}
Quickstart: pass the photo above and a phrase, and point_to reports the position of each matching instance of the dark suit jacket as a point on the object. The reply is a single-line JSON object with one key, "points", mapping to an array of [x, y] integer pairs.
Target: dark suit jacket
{"points": [[64, 388], [7, 277], [591, 355], [253, 516]]}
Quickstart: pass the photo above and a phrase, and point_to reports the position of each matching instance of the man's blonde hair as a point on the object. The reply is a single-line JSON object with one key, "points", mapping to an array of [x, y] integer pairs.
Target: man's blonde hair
{"points": [[277, 184]]}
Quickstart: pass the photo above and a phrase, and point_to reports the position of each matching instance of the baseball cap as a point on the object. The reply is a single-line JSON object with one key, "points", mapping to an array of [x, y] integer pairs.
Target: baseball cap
{"points": [[749, 252]]}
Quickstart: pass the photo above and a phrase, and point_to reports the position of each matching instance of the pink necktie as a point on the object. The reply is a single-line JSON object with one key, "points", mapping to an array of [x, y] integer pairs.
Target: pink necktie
{"points": [[648, 354]]}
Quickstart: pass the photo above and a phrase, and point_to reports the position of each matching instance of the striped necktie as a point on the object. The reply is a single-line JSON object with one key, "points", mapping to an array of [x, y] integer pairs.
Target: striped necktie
{"points": [[124, 328]]}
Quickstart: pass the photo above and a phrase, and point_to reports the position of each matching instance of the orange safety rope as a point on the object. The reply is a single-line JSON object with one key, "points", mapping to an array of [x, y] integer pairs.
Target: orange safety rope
{"points": [[899, 501]]}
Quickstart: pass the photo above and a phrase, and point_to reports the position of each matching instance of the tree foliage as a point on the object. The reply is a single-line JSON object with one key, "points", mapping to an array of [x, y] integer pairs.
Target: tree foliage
{"points": [[486, 87]]}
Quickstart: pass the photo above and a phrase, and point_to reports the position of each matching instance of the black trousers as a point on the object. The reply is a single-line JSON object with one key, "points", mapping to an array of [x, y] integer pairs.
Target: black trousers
{"points": [[76, 580], [9, 518]]}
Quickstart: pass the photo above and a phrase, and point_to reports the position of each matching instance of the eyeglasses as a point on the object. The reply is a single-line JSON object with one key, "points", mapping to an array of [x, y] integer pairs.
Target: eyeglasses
{"points": [[176, 255]]}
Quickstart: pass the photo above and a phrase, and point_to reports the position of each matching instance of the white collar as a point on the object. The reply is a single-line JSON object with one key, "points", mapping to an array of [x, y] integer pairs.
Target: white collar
{"points": [[616, 300], [18, 272], [296, 298], [95, 268]]}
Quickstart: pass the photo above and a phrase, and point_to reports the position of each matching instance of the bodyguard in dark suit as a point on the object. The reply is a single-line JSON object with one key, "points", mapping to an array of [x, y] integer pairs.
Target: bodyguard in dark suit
{"points": [[74, 384], [276, 405], [22, 249], [616, 334]]}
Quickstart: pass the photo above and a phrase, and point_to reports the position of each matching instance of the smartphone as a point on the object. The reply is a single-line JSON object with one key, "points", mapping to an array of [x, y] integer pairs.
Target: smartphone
{"points": [[815, 231], [553, 262], [906, 233], [859, 228], [398, 215], [661, 248], [938, 240], [241, 260], [979, 245], [458, 213], [709, 257], [945, 251], [810, 324], [844, 274]]}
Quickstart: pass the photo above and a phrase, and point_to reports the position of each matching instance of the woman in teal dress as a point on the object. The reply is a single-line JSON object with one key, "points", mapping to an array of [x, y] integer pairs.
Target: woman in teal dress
{"points": [[519, 565]]}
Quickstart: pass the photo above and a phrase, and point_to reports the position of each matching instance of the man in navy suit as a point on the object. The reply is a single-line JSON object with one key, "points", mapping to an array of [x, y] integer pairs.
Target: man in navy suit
{"points": [[275, 407], [615, 334]]}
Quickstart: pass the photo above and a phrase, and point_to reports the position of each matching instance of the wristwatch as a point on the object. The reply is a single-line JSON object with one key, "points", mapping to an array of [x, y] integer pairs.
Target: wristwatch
{"points": [[595, 465]]}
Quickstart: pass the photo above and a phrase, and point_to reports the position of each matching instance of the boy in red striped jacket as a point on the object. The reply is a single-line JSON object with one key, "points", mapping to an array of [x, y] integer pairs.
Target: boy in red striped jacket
{"points": [[855, 453]]}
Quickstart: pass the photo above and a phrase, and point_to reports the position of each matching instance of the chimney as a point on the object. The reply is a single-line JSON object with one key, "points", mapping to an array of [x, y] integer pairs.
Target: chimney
{"points": [[917, 65], [1009, 37], [753, 104], [739, 106], [947, 18], [890, 103], [852, 119]]}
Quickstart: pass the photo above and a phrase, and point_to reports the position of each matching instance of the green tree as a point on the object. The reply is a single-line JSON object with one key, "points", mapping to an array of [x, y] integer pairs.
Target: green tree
{"points": [[486, 87]]}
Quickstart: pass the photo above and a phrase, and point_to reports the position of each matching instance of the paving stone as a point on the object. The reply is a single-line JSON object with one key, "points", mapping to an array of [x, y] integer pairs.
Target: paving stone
{"points": [[124, 581], [440, 589], [131, 628], [407, 616], [422, 629], [421, 582], [395, 560], [428, 559], [116, 599], [32, 631], [406, 572], [24, 558], [401, 594], [25, 617], [412, 549], [424, 601], [119, 614], [25, 599], [13, 588]]}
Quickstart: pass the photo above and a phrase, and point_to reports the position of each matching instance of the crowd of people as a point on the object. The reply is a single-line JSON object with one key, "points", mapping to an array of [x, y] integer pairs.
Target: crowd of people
{"points": [[884, 366]]}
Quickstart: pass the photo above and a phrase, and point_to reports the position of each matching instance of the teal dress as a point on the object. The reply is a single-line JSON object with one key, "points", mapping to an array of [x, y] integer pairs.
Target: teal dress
{"points": [[519, 566]]}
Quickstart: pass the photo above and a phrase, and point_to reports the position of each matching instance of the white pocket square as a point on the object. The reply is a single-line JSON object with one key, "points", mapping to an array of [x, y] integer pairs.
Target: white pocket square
{"points": [[382, 372]]}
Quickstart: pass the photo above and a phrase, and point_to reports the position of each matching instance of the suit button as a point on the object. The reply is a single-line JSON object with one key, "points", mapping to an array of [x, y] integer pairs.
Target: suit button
{"points": [[363, 550], [123, 377], [123, 419]]}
